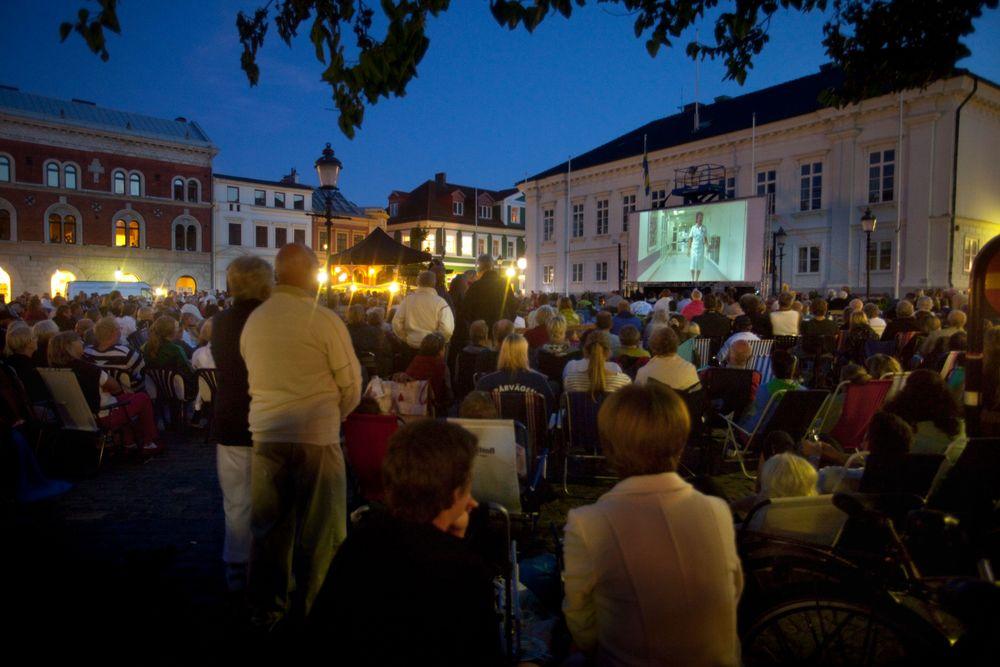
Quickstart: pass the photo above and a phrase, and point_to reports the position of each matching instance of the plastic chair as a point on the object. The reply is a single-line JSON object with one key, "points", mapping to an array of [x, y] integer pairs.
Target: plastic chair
{"points": [[580, 429], [366, 440], [812, 519], [168, 392], [208, 387]]}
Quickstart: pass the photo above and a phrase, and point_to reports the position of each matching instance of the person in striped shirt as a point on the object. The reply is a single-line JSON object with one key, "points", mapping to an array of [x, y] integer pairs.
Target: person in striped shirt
{"points": [[108, 353]]}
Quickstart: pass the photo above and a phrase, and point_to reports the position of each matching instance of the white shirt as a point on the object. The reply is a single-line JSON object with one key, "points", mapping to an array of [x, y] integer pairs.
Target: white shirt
{"points": [[878, 325], [303, 372], [652, 576], [641, 308], [581, 366], [740, 335], [785, 323], [192, 309], [672, 371], [699, 235], [663, 303], [423, 312], [127, 325]]}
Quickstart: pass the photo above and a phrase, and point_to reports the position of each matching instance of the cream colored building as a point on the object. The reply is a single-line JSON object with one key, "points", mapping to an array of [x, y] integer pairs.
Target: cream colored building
{"points": [[937, 201]]}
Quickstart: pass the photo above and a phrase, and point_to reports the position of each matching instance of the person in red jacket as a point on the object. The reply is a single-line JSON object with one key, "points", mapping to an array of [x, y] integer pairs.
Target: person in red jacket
{"points": [[428, 364]]}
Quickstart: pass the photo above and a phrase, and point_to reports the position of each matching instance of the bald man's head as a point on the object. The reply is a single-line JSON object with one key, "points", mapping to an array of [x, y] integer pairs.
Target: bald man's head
{"points": [[296, 265]]}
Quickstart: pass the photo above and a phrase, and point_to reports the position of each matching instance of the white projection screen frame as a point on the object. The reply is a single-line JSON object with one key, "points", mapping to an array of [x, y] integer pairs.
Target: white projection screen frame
{"points": [[731, 250]]}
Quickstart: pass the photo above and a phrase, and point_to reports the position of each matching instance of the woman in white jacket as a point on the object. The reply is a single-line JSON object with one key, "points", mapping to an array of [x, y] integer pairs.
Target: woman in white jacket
{"points": [[652, 576]]}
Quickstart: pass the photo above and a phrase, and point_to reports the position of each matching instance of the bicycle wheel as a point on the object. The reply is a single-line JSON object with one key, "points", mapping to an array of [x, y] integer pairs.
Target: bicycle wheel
{"points": [[829, 632]]}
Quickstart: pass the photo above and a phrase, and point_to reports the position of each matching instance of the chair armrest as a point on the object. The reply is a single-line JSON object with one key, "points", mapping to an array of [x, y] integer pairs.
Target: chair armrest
{"points": [[116, 404]]}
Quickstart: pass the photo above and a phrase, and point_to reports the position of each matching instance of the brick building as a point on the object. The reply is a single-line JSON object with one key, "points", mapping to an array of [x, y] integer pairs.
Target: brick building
{"points": [[87, 191]]}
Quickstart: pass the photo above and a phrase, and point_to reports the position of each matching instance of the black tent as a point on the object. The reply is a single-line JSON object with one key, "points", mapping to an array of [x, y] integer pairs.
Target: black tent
{"points": [[379, 249]]}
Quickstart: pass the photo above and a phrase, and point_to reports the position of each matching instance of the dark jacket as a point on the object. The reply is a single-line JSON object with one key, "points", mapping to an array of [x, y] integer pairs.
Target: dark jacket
{"points": [[824, 327], [899, 325], [714, 325], [490, 298], [367, 338], [403, 593], [27, 373], [232, 400]]}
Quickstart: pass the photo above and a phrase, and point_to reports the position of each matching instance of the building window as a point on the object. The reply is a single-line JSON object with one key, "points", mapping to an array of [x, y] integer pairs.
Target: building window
{"points": [[467, 245], [118, 182], [192, 190], [496, 247], [481, 246], [548, 274], [510, 249], [323, 242], [191, 238], [358, 238], [601, 275], [62, 228], [179, 191], [121, 233], [299, 235], [969, 253], [393, 209], [514, 215], [577, 274], [577, 220], [259, 198], [260, 236], [186, 284], [279, 200], [880, 256], [134, 185], [280, 237], [811, 186], [4, 168], [728, 185], [458, 208], [232, 193], [809, 259], [178, 237], [766, 183], [485, 212], [659, 198], [881, 175], [548, 224], [628, 206], [450, 244], [235, 234], [299, 202], [52, 175], [341, 241], [602, 216], [5, 227]]}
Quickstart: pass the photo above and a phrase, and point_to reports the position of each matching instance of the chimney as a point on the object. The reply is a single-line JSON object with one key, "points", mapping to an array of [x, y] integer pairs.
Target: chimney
{"points": [[291, 177], [440, 179]]}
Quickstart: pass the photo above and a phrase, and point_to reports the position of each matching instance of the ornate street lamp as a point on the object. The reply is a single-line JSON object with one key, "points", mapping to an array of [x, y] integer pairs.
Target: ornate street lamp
{"points": [[868, 223], [328, 169], [777, 242]]}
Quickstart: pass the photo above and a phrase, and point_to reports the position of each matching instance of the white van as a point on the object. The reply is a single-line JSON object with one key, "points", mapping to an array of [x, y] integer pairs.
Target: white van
{"points": [[102, 287]]}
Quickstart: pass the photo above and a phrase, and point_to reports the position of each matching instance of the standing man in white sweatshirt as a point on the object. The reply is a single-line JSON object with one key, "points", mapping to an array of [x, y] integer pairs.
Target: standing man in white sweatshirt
{"points": [[422, 312], [304, 378]]}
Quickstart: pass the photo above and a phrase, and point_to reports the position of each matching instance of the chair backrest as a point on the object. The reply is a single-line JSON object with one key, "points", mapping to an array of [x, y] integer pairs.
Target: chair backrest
{"points": [[70, 403], [631, 365], [950, 362], [552, 365], [816, 344], [686, 350], [465, 369], [494, 470], [907, 344], [910, 474], [873, 347], [696, 400], [702, 351], [785, 342], [812, 519], [581, 421], [861, 401], [122, 376], [730, 387], [208, 384], [898, 380], [792, 412], [528, 408], [366, 440], [763, 366], [165, 384], [761, 348]]}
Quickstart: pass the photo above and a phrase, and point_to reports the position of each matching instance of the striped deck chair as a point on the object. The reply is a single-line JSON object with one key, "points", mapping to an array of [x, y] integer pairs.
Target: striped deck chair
{"points": [[907, 344], [761, 348], [528, 408], [702, 351], [763, 366]]}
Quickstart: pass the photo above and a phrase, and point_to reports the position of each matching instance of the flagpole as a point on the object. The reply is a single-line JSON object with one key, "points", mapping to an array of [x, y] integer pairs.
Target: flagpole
{"points": [[569, 169], [475, 222]]}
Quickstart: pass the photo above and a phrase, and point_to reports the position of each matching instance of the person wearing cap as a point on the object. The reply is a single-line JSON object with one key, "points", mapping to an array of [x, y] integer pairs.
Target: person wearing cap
{"points": [[490, 297]]}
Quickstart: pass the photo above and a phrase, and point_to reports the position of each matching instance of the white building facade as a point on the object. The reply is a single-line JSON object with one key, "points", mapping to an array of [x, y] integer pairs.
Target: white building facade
{"points": [[257, 217], [924, 161]]}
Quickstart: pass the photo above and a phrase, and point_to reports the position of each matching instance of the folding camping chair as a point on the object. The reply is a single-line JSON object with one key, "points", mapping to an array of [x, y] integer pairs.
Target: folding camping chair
{"points": [[763, 366], [873, 347], [789, 411], [702, 351], [728, 390], [861, 401], [72, 409], [818, 354], [579, 428], [811, 519], [527, 408], [907, 344], [762, 347], [366, 440]]}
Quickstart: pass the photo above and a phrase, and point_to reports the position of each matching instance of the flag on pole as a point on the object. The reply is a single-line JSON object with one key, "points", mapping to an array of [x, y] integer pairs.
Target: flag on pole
{"points": [[645, 165]]}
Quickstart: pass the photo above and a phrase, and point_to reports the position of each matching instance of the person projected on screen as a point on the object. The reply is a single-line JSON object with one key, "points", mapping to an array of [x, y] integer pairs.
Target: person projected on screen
{"points": [[697, 242]]}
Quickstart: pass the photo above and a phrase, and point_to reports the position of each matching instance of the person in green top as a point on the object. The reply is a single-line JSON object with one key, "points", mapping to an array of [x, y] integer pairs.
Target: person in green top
{"points": [[567, 311], [630, 339], [160, 351], [784, 366]]}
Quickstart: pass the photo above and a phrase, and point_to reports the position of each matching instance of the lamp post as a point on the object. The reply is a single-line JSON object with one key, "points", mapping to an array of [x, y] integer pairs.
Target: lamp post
{"points": [[868, 222], [328, 169], [777, 241]]}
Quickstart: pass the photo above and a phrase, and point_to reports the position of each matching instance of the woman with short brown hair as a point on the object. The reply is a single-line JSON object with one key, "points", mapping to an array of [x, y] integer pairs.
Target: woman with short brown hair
{"points": [[636, 558]]}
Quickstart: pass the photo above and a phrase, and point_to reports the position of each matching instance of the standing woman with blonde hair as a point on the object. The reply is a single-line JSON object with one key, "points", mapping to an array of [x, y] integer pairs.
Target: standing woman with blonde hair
{"points": [[513, 373], [594, 373]]}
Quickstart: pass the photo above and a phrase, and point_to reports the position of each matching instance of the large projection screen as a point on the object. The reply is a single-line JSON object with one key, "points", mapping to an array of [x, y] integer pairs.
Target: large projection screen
{"points": [[670, 246]]}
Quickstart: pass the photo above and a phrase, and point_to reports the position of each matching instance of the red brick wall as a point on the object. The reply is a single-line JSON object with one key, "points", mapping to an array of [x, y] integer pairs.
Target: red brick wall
{"points": [[29, 160]]}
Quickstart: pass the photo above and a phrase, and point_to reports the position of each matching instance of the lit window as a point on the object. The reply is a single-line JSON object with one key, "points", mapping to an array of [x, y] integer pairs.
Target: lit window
{"points": [[481, 246], [52, 175], [133, 234], [134, 185], [514, 215], [467, 245], [119, 182], [121, 232], [811, 186], [881, 175], [450, 244], [62, 228]]}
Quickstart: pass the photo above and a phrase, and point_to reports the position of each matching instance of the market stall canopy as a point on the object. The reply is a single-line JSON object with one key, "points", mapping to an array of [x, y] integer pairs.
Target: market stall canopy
{"points": [[379, 249]]}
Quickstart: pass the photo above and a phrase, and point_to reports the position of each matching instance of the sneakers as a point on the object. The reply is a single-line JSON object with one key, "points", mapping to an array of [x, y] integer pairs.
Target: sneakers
{"points": [[151, 449]]}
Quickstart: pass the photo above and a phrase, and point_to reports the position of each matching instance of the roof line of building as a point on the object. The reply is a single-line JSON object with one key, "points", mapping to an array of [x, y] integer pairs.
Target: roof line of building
{"points": [[262, 181]]}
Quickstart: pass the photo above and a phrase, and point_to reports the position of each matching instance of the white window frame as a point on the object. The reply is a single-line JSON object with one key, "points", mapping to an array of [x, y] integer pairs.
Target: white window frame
{"points": [[811, 186], [496, 248], [548, 224], [970, 248], [878, 163], [467, 244], [603, 217], [766, 185], [511, 248], [393, 209], [658, 198], [601, 272], [141, 180], [577, 273], [577, 229], [628, 206], [450, 244], [229, 193], [485, 212], [548, 274], [114, 182], [58, 173], [809, 260], [877, 247], [458, 208]]}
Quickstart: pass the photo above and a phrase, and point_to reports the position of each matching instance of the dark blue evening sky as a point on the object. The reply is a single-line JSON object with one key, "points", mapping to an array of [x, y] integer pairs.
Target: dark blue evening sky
{"points": [[489, 106]]}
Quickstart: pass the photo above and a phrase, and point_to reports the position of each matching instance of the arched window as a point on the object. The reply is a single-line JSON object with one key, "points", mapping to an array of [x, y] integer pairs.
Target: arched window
{"points": [[192, 190], [134, 185], [60, 279], [179, 189], [178, 237], [62, 228], [69, 177], [120, 233], [119, 182], [52, 175], [4, 168], [133, 234], [5, 290], [186, 284], [4, 225], [192, 238]]}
